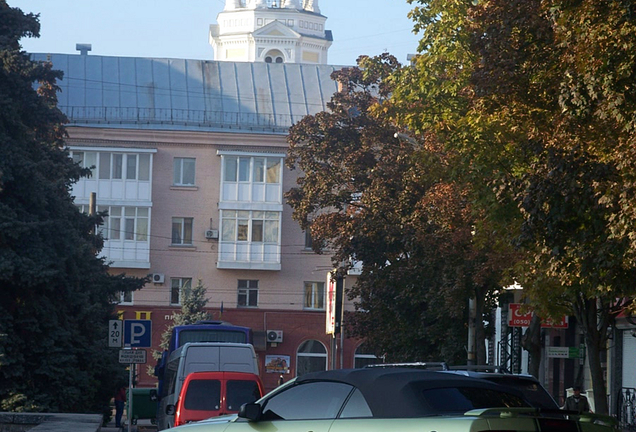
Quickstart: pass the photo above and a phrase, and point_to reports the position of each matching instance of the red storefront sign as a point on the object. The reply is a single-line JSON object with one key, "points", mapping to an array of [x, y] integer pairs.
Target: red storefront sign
{"points": [[518, 319]]}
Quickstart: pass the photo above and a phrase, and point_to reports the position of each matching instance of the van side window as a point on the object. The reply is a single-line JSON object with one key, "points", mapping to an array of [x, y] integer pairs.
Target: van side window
{"points": [[170, 381]]}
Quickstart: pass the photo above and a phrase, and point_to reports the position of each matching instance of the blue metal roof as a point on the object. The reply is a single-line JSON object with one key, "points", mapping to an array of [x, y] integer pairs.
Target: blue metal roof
{"points": [[182, 94]]}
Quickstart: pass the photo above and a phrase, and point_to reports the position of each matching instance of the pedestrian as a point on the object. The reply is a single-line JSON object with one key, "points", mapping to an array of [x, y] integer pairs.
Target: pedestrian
{"points": [[120, 401], [577, 402]]}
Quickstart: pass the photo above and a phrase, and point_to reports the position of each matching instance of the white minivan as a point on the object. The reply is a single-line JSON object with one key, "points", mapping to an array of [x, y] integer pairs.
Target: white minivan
{"points": [[200, 357]]}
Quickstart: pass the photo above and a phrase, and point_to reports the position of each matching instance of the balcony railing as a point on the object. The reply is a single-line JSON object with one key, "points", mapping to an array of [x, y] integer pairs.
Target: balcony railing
{"points": [[179, 117]]}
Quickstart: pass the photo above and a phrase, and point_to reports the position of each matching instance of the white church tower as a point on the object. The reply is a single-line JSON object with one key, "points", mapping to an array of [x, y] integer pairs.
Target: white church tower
{"points": [[271, 31]]}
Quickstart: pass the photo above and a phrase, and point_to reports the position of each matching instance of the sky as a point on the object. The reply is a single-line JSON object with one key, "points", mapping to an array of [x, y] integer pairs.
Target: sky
{"points": [[179, 28]]}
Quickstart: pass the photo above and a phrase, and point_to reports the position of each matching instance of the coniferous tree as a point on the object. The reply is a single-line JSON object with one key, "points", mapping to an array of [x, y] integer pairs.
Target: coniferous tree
{"points": [[193, 302], [56, 296]]}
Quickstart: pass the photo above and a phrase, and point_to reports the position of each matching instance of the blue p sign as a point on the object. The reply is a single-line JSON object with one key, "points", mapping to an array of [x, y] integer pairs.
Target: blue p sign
{"points": [[137, 333]]}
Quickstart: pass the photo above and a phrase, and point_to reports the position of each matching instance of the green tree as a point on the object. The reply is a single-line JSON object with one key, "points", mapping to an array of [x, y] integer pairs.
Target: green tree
{"points": [[534, 99], [57, 296], [368, 194], [193, 302]]}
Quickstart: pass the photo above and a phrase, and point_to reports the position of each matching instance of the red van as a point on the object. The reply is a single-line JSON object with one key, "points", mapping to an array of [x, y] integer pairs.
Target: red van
{"points": [[209, 394]]}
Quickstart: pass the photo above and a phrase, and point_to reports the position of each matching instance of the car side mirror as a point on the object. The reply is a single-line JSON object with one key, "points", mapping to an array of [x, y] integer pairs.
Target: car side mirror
{"points": [[153, 395], [250, 411], [170, 410]]}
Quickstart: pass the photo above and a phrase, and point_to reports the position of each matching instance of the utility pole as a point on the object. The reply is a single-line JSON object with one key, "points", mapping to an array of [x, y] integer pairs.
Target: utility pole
{"points": [[92, 207], [471, 331]]}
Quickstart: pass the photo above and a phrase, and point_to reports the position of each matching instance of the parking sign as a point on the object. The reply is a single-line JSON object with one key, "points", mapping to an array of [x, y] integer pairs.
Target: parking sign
{"points": [[137, 333]]}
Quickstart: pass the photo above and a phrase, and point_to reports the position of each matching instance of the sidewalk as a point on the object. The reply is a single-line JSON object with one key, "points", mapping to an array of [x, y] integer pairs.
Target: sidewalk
{"points": [[141, 426]]}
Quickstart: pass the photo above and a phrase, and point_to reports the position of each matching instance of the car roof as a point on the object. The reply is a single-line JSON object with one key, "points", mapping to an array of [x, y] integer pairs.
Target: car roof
{"points": [[391, 391]]}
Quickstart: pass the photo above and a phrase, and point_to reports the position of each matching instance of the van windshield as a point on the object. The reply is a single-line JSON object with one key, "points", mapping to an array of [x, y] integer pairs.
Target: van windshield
{"points": [[240, 392], [211, 335], [203, 395]]}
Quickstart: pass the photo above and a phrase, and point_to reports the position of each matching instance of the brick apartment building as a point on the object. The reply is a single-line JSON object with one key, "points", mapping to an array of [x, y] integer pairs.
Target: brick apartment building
{"points": [[188, 159]]}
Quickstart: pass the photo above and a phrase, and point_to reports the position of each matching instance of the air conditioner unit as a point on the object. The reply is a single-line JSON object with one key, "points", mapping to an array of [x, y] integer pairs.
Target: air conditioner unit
{"points": [[158, 278], [211, 234], [274, 336]]}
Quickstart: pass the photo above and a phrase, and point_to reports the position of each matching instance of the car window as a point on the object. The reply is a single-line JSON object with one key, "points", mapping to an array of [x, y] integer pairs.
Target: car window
{"points": [[356, 406], [533, 391], [462, 399], [240, 392], [203, 395], [311, 400]]}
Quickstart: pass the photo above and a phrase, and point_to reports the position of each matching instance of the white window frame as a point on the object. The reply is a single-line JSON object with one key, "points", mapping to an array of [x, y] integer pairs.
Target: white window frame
{"points": [[183, 223], [180, 284], [126, 298], [179, 171], [252, 178], [247, 288]]}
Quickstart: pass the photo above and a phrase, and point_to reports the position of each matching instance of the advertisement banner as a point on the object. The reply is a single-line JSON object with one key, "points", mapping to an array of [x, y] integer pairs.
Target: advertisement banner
{"points": [[277, 364], [331, 305]]}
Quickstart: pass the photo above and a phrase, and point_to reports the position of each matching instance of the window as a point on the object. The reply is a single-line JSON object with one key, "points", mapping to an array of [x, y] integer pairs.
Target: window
{"points": [[118, 159], [356, 406], [314, 295], [177, 285], [459, 400], [365, 356], [254, 226], [184, 169], [110, 166], [204, 395], [124, 223], [131, 167], [181, 231], [126, 297], [307, 401], [247, 293], [311, 357], [274, 56], [252, 179], [251, 209], [86, 160], [144, 167], [309, 241], [240, 392]]}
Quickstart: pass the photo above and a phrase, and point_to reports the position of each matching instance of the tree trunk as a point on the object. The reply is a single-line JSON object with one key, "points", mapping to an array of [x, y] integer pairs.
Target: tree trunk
{"points": [[594, 320], [531, 342]]}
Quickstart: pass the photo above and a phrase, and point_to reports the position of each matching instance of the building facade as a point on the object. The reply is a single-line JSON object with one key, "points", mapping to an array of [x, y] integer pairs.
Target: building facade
{"points": [[271, 32], [187, 158]]}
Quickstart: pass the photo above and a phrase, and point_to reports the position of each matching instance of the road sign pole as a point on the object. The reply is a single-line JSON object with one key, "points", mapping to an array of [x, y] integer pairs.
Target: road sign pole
{"points": [[130, 398]]}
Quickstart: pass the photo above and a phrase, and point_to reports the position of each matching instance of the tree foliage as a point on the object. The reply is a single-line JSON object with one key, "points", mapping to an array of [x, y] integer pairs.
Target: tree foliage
{"points": [[193, 302], [369, 194], [57, 296], [535, 100]]}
